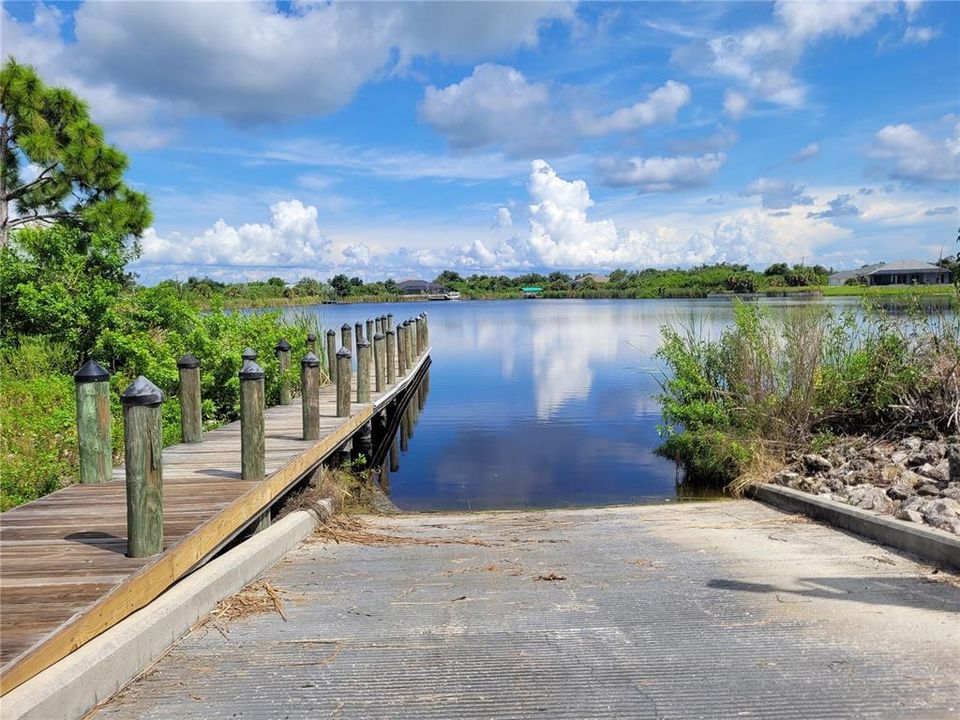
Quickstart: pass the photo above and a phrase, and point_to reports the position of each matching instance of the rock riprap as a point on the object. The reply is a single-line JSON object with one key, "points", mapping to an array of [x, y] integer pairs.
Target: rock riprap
{"points": [[914, 479]]}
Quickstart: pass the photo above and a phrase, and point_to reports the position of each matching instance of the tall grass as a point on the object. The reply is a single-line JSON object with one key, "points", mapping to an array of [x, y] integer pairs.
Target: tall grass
{"points": [[772, 382]]}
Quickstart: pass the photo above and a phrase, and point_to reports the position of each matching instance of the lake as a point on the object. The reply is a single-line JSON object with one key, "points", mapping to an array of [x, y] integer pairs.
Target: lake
{"points": [[538, 403]]}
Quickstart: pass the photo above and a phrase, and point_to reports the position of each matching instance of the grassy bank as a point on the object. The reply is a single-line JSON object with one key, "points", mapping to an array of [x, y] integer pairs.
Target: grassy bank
{"points": [[149, 332], [775, 384]]}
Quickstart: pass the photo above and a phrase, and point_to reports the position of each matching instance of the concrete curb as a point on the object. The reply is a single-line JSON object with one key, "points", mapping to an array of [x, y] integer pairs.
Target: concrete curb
{"points": [[94, 672], [937, 546]]}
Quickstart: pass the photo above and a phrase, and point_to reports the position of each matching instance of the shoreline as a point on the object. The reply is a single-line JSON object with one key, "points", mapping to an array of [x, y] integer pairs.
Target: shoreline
{"points": [[806, 293]]}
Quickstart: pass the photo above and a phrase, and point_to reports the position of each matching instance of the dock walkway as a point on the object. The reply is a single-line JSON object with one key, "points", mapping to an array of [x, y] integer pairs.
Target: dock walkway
{"points": [[64, 575]]}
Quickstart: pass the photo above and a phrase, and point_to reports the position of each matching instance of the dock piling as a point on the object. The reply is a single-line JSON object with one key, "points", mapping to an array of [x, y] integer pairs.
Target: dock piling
{"points": [[143, 467], [377, 325], [252, 444], [311, 343], [363, 370], [310, 390], [389, 321], [283, 358], [391, 357], [191, 413], [93, 423], [379, 360], [401, 351], [346, 341], [332, 355], [370, 330], [358, 331], [343, 380]]}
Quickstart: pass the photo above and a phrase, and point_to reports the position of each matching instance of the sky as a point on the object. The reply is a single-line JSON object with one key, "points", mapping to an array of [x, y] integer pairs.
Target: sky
{"points": [[387, 139]]}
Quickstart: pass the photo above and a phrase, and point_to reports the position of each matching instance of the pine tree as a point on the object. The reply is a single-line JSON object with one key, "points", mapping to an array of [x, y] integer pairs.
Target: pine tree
{"points": [[56, 166]]}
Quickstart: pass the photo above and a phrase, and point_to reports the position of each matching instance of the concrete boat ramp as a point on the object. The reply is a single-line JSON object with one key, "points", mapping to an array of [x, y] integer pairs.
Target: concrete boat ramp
{"points": [[700, 610]]}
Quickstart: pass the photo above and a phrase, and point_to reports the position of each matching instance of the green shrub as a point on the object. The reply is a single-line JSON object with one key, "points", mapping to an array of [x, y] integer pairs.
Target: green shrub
{"points": [[771, 384]]}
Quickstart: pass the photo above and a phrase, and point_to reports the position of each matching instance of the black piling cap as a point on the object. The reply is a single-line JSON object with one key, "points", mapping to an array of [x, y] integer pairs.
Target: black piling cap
{"points": [[282, 346], [251, 371], [188, 362], [310, 360], [344, 352], [363, 342], [389, 315], [345, 326], [390, 332], [331, 333], [311, 337], [249, 354], [358, 325], [91, 372], [378, 336], [141, 392]]}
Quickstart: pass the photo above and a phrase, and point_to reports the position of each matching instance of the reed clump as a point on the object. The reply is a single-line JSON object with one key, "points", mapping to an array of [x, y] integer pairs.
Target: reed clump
{"points": [[737, 406]]}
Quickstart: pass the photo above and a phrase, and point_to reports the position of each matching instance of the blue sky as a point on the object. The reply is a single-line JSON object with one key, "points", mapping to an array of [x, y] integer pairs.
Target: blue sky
{"points": [[399, 139]]}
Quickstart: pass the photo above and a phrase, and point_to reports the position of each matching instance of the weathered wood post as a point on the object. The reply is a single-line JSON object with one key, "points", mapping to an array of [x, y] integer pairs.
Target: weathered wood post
{"points": [[358, 331], [379, 371], [411, 333], [252, 430], [401, 351], [93, 422], [405, 430], [418, 324], [310, 390], [426, 332], [143, 466], [248, 354], [389, 321], [346, 341], [363, 370], [311, 343], [191, 413], [332, 356], [283, 358], [377, 325], [391, 357], [394, 456], [343, 381], [370, 330]]}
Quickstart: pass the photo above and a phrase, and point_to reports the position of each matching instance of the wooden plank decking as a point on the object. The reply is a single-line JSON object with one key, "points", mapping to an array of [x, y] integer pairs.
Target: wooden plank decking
{"points": [[64, 577]]}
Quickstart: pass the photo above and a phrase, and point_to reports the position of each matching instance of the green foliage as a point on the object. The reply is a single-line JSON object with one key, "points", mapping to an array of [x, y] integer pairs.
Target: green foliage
{"points": [[80, 177], [37, 421], [60, 282], [771, 383]]}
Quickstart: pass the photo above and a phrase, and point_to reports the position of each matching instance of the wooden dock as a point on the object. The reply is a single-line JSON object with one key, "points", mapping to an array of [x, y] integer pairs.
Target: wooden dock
{"points": [[64, 575]]}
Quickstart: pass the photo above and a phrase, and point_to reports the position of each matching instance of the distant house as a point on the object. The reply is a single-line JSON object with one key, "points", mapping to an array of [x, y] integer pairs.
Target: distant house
{"points": [[840, 278], [531, 292], [595, 277], [909, 272], [421, 287]]}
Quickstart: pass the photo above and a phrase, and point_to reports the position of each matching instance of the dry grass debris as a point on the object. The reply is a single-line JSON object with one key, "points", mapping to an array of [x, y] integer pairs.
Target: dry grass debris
{"points": [[345, 529], [256, 598]]}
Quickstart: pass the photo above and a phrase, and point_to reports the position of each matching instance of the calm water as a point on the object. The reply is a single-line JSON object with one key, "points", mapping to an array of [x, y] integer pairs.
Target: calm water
{"points": [[538, 403]]}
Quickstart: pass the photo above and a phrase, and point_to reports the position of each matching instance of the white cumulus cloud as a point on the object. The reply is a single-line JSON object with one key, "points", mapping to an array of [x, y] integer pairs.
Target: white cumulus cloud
{"points": [[777, 194], [763, 59], [917, 156], [661, 106], [292, 238], [652, 174], [734, 104], [498, 105]]}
